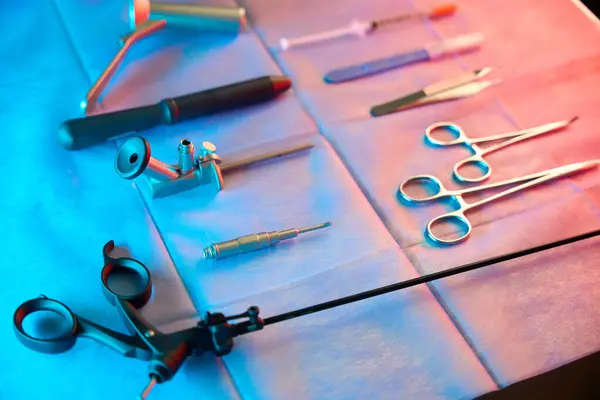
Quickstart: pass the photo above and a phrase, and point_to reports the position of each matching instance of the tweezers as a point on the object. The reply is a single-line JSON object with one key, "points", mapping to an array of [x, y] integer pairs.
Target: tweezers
{"points": [[461, 86]]}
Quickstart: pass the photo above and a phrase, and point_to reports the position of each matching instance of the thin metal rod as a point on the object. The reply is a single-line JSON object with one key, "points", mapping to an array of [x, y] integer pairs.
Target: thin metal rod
{"points": [[92, 96], [227, 167], [314, 227], [147, 389], [424, 279]]}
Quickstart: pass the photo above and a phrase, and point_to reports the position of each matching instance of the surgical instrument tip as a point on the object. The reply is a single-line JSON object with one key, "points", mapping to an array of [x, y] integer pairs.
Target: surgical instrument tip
{"points": [[147, 389], [314, 227], [483, 72], [575, 118]]}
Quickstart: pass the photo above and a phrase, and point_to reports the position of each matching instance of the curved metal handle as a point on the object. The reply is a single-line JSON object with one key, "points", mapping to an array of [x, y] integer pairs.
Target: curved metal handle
{"points": [[457, 218], [92, 96], [424, 181], [474, 160], [129, 346], [106, 250], [138, 325], [455, 129], [51, 345]]}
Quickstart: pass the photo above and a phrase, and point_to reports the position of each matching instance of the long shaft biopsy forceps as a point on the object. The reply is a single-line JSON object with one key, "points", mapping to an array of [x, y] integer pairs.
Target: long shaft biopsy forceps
{"points": [[458, 216], [477, 158]]}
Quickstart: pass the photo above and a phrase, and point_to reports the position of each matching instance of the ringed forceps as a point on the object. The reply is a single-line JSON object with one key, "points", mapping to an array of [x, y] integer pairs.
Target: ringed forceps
{"points": [[477, 158], [458, 216]]}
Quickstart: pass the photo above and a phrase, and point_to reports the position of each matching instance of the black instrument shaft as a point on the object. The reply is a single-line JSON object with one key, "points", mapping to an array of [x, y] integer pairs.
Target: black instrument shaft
{"points": [[80, 133], [424, 279]]}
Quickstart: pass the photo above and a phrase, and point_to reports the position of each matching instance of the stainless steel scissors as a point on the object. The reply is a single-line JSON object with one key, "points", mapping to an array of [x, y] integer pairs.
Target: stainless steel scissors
{"points": [[477, 158], [458, 216]]}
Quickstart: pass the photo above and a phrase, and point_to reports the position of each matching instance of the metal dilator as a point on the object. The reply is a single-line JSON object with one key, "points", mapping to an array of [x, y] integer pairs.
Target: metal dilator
{"points": [[134, 160], [186, 16], [255, 241]]}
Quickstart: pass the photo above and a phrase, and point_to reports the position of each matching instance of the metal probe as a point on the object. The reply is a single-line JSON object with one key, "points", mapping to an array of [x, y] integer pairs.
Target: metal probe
{"points": [[255, 241], [251, 156], [147, 390]]}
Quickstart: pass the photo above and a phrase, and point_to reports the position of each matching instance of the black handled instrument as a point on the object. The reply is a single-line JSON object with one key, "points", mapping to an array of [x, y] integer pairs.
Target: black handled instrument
{"points": [[166, 352], [85, 132], [214, 333]]}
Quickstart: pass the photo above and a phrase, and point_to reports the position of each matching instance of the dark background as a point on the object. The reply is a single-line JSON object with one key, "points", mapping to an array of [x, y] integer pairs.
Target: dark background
{"points": [[593, 5]]}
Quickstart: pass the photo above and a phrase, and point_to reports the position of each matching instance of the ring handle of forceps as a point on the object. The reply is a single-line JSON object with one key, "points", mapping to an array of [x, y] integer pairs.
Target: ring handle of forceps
{"points": [[112, 265], [459, 218], [461, 137], [477, 161], [423, 180], [129, 346], [127, 305]]}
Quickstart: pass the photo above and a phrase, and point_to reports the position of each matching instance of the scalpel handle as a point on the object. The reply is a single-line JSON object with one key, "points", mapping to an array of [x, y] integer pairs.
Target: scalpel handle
{"points": [[375, 67]]}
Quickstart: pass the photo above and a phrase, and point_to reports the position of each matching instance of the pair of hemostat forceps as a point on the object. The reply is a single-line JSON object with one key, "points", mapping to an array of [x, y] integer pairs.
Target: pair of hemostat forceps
{"points": [[458, 216], [477, 158], [464, 85]]}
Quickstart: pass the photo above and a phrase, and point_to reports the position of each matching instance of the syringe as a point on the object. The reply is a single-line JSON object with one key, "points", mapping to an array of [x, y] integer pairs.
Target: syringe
{"points": [[362, 28]]}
